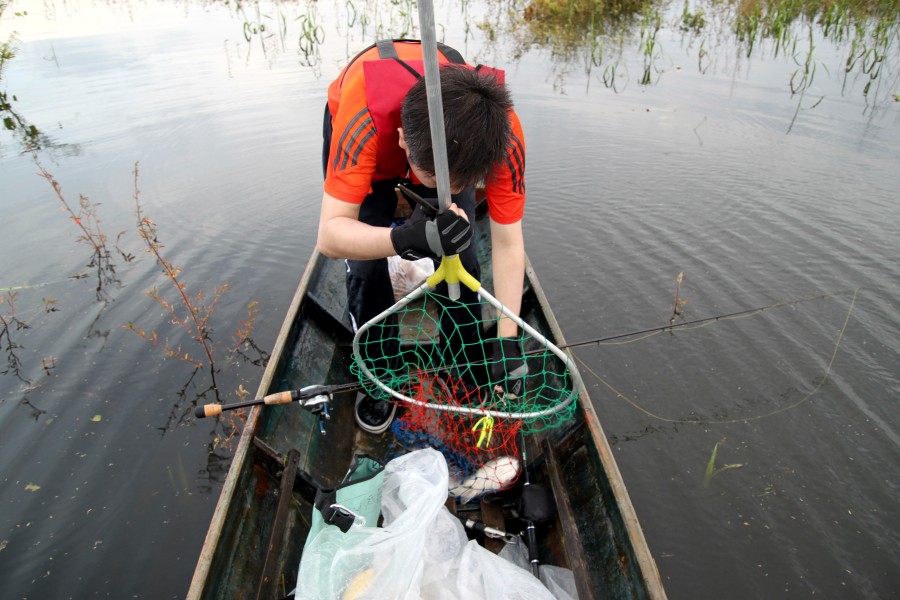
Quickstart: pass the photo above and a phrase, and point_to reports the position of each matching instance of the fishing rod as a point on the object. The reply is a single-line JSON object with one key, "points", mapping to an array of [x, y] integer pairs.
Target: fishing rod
{"points": [[314, 398], [317, 397], [530, 526], [487, 531]]}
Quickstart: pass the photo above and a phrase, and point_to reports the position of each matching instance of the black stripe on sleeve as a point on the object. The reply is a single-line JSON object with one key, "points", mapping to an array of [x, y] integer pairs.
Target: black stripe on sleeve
{"points": [[516, 163], [351, 134]]}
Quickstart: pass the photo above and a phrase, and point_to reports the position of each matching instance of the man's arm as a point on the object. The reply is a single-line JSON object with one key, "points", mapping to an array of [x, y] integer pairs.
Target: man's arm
{"points": [[508, 255], [342, 235]]}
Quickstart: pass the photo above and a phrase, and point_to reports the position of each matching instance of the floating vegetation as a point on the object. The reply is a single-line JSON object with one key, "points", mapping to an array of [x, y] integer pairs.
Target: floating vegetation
{"points": [[712, 470], [679, 301]]}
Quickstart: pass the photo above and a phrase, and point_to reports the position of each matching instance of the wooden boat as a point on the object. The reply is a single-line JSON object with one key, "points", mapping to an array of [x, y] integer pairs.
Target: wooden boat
{"points": [[254, 543]]}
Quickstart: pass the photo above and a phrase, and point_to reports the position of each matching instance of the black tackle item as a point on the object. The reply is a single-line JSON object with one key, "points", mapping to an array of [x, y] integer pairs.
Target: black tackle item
{"points": [[421, 237], [355, 501], [537, 503], [508, 366], [413, 196]]}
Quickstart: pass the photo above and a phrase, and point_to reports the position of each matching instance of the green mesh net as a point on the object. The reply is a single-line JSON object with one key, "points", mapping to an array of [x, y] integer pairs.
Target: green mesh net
{"points": [[434, 354]]}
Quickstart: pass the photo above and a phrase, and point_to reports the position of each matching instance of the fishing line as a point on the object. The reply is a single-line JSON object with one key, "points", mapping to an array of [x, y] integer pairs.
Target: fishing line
{"points": [[30, 286], [703, 322], [780, 410], [614, 340]]}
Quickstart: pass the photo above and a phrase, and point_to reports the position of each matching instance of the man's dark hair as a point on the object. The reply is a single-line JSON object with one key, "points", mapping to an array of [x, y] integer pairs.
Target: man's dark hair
{"points": [[476, 123]]}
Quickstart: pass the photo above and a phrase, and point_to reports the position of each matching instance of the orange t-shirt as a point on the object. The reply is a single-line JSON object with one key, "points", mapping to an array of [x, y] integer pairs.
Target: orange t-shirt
{"points": [[353, 158]]}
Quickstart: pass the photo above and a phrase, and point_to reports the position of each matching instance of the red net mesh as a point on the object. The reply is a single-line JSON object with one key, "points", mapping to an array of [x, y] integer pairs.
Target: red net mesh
{"points": [[482, 452]]}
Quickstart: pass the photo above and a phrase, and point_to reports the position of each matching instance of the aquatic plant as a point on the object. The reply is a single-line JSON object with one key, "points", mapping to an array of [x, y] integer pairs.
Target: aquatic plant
{"points": [[27, 134], [12, 321], [311, 37], [712, 470], [597, 32], [692, 22], [88, 222], [872, 28], [679, 301], [190, 313], [9, 322], [871, 49], [566, 27], [195, 321], [650, 50]]}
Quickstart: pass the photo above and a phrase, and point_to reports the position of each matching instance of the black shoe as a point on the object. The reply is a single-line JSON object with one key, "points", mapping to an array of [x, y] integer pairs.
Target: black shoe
{"points": [[372, 415]]}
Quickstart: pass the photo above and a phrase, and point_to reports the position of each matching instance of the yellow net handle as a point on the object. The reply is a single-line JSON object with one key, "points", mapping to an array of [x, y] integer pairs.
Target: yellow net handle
{"points": [[452, 271]]}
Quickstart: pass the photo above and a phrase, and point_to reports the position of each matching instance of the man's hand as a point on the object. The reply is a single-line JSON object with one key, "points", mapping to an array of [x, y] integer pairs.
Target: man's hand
{"points": [[508, 367], [447, 234]]}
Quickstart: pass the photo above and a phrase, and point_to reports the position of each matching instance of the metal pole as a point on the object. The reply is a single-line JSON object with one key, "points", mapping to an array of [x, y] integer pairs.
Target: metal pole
{"points": [[435, 103]]}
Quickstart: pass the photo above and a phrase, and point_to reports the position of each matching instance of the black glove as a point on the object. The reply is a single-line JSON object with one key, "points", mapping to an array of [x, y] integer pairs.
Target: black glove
{"points": [[446, 234], [508, 367]]}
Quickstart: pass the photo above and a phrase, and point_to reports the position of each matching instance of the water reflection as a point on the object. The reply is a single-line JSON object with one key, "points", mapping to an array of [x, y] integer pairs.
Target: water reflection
{"points": [[271, 27], [312, 36], [26, 134], [10, 323], [596, 34], [267, 29], [87, 219]]}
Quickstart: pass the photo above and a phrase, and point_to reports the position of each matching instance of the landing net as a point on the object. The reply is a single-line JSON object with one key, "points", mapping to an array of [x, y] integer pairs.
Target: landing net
{"points": [[433, 355], [429, 342]]}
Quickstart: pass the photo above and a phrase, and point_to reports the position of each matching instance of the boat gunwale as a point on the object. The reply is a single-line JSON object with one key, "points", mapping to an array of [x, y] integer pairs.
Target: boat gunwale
{"points": [[223, 505]]}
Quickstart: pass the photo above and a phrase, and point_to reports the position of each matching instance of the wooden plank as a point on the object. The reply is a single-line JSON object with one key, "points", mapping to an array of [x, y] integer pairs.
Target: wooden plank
{"points": [[450, 504], [492, 516], [270, 571], [570, 535], [270, 460]]}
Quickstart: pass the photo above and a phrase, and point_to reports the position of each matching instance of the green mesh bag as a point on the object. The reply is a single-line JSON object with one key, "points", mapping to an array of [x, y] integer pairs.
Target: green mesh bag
{"points": [[405, 356]]}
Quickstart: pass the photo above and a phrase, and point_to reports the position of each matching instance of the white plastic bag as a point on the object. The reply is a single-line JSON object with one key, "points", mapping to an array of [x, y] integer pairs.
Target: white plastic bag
{"points": [[421, 551], [560, 581], [407, 275]]}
